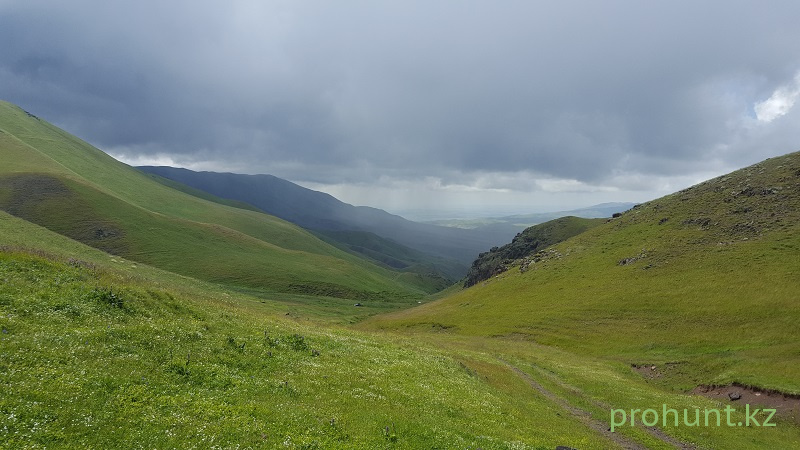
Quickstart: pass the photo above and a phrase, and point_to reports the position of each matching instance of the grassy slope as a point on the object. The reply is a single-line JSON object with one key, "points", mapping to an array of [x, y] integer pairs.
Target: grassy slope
{"points": [[319, 211], [339, 224], [162, 226], [426, 272], [82, 368], [716, 276], [439, 273], [202, 194], [169, 361], [525, 244], [708, 289]]}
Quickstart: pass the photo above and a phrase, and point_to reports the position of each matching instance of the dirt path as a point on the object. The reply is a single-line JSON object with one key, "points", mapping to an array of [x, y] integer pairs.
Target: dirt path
{"points": [[587, 419]]}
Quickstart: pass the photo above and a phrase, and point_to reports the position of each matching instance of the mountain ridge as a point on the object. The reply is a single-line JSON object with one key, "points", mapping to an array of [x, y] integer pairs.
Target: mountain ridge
{"points": [[321, 211]]}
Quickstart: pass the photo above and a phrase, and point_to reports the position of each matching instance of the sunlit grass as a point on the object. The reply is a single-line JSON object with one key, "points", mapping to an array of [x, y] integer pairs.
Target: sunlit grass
{"points": [[92, 357]]}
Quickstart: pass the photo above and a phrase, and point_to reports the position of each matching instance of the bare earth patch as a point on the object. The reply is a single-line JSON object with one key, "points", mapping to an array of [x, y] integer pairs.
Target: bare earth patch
{"points": [[787, 406], [652, 371], [647, 370]]}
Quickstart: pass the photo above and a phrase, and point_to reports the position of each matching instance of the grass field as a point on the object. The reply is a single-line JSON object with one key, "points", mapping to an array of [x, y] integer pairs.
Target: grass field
{"points": [[99, 352]]}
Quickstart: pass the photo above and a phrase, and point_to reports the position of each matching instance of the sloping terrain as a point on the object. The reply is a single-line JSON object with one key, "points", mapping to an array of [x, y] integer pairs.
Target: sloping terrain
{"points": [[438, 273], [58, 181], [701, 285], [99, 352], [319, 211], [433, 273], [525, 244]]}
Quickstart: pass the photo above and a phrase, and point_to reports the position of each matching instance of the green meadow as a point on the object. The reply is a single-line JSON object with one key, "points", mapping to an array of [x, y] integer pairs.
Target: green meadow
{"points": [[101, 352]]}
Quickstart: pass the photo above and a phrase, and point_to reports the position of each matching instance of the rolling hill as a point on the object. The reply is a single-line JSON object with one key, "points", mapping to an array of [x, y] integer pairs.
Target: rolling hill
{"points": [[56, 180], [434, 272], [97, 351]]}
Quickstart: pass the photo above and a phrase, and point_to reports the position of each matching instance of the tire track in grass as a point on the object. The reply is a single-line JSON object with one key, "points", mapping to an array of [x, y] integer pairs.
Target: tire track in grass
{"points": [[586, 418], [656, 432], [583, 416]]}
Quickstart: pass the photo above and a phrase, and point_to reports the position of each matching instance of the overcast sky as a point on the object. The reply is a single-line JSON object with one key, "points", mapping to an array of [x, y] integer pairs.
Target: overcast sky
{"points": [[501, 106]]}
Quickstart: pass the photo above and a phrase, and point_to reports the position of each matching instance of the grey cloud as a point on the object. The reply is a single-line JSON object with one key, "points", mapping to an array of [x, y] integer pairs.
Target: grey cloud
{"points": [[345, 92]]}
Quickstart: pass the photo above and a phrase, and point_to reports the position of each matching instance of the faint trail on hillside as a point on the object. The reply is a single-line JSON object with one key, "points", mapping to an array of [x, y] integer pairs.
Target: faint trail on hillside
{"points": [[586, 418], [656, 432]]}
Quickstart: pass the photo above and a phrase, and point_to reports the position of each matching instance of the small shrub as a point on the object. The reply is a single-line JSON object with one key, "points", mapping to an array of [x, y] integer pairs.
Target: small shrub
{"points": [[269, 340], [107, 296], [179, 369], [389, 434], [297, 342]]}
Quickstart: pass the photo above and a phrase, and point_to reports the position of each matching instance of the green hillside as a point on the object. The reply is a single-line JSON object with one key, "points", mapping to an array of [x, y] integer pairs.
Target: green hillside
{"points": [[702, 285], [202, 194], [437, 273], [712, 271], [525, 244], [322, 212], [56, 180], [100, 352], [325, 216]]}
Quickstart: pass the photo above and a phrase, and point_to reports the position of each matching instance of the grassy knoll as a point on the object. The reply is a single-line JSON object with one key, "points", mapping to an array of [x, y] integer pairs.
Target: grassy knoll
{"points": [[707, 273]]}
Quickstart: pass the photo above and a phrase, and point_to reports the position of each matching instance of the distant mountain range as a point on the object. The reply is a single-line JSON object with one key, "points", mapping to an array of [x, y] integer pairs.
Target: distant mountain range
{"points": [[453, 244], [322, 212], [508, 226]]}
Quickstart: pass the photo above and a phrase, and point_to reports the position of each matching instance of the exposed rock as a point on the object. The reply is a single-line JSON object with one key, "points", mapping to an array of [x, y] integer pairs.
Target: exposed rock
{"points": [[703, 222], [633, 259]]}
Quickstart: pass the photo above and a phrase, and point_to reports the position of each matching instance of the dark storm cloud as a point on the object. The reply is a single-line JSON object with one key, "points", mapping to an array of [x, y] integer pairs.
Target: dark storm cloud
{"points": [[352, 91]]}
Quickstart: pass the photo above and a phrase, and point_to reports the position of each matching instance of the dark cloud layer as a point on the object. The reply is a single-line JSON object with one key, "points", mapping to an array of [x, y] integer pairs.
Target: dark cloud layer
{"points": [[355, 92]]}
